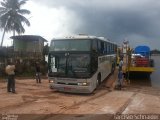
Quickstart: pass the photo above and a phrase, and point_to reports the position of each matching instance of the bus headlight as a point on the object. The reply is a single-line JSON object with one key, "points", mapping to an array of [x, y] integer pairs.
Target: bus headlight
{"points": [[51, 81], [83, 84]]}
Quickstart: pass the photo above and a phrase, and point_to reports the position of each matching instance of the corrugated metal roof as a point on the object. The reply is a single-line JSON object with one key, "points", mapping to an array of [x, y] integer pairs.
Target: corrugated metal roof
{"points": [[28, 37]]}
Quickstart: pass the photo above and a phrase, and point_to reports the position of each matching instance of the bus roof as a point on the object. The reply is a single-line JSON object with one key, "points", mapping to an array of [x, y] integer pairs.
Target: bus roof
{"points": [[83, 36]]}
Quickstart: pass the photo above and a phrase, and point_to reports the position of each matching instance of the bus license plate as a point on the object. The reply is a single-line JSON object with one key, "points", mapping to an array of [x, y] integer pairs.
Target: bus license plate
{"points": [[67, 88]]}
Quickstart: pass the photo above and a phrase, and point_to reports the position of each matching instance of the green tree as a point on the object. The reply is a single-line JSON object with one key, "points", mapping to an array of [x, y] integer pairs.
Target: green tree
{"points": [[12, 17]]}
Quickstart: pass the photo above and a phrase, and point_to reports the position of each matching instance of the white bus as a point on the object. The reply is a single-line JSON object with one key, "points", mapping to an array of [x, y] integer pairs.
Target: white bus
{"points": [[79, 64]]}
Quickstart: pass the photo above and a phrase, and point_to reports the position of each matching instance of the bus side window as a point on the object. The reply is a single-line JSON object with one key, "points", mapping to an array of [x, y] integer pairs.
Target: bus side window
{"points": [[105, 48], [102, 47], [94, 46], [109, 48], [99, 47]]}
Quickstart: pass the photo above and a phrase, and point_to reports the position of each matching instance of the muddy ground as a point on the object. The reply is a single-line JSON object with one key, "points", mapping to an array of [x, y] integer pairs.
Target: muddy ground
{"points": [[37, 102]]}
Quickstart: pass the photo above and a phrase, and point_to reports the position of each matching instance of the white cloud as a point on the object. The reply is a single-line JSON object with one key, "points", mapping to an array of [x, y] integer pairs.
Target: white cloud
{"points": [[48, 22], [51, 22], [136, 19]]}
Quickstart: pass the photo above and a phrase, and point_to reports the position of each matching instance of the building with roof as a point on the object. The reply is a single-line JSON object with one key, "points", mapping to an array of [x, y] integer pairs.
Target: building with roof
{"points": [[28, 46], [26, 50]]}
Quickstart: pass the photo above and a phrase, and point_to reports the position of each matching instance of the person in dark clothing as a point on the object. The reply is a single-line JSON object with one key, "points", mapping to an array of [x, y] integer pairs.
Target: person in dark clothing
{"points": [[10, 70], [38, 77], [120, 79], [120, 75], [120, 67]]}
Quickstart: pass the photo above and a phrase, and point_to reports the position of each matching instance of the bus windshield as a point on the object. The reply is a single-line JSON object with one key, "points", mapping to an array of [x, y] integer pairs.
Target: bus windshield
{"points": [[70, 45], [72, 65]]}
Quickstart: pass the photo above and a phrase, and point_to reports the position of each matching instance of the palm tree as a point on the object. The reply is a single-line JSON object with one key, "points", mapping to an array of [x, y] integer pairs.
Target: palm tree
{"points": [[11, 17]]}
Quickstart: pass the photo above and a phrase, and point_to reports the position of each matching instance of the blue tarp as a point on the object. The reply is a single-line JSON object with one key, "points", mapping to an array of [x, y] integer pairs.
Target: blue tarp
{"points": [[143, 50]]}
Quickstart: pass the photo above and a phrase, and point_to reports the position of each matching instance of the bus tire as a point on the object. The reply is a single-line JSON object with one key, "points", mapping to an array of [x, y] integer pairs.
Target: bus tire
{"points": [[98, 79]]}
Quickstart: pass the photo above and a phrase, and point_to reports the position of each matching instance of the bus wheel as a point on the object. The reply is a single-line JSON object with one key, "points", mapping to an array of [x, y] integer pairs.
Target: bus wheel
{"points": [[98, 80]]}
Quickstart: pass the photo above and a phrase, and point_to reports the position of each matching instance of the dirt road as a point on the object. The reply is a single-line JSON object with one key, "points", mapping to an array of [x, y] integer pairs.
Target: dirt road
{"points": [[37, 102]]}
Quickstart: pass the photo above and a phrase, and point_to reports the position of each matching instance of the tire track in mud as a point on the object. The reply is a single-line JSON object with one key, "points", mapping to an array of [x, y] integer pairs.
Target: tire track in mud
{"points": [[26, 102], [73, 106], [20, 85], [92, 96], [32, 97], [120, 111], [34, 85], [102, 88], [29, 99]]}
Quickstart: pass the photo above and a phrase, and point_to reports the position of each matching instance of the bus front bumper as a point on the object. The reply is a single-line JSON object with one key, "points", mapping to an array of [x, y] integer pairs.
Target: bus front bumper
{"points": [[71, 88]]}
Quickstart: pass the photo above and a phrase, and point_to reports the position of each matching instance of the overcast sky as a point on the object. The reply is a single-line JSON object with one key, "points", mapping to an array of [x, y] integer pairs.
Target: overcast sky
{"points": [[138, 21]]}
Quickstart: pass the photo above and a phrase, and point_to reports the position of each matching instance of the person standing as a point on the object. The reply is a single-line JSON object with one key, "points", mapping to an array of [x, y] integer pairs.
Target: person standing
{"points": [[10, 70], [37, 68], [120, 74], [120, 67], [120, 79]]}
